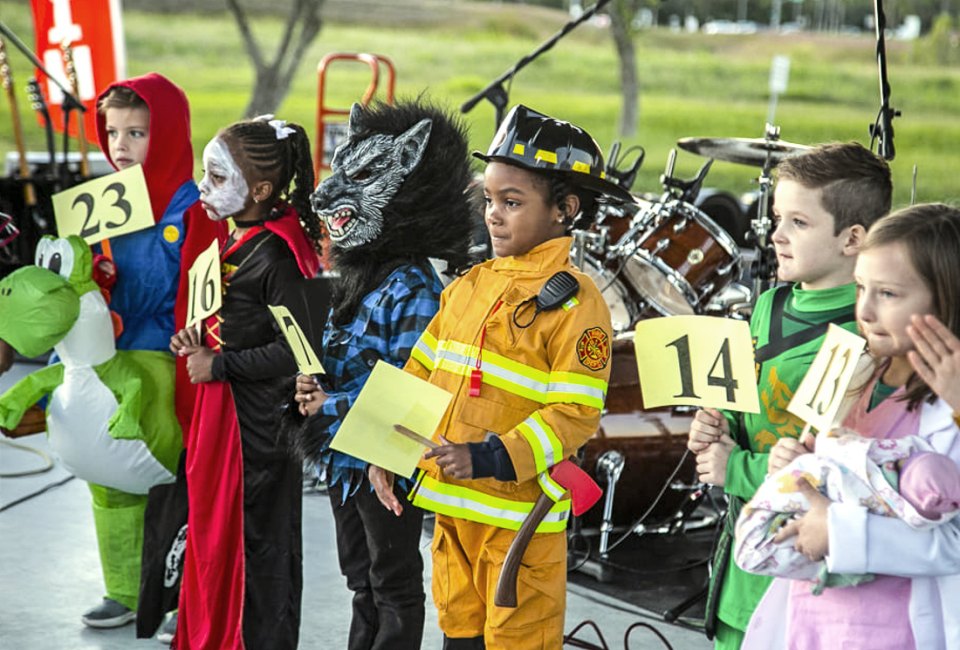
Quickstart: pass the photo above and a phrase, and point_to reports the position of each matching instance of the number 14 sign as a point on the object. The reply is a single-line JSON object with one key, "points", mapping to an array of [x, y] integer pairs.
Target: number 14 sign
{"points": [[696, 361]]}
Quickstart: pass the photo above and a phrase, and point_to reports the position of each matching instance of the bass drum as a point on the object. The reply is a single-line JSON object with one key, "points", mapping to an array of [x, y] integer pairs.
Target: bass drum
{"points": [[682, 260], [623, 305]]}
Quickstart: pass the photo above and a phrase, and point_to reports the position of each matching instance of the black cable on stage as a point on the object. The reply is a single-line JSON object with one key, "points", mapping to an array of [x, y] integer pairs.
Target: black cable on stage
{"points": [[578, 643], [626, 635], [48, 486]]}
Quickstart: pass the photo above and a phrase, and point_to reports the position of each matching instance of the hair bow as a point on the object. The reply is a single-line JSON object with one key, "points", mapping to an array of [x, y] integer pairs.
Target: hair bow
{"points": [[280, 126]]}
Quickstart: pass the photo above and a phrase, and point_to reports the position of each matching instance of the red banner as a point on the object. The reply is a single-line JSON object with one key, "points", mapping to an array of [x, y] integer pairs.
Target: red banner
{"points": [[94, 30]]}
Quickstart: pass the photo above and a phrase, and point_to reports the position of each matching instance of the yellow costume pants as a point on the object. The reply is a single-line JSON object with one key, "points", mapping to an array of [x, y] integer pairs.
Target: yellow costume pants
{"points": [[467, 557]]}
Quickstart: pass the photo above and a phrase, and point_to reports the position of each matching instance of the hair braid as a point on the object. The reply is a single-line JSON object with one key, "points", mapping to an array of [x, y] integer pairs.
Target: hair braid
{"points": [[300, 163]]}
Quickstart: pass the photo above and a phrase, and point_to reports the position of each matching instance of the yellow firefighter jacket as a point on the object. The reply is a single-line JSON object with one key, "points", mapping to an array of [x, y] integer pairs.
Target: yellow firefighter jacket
{"points": [[542, 390]]}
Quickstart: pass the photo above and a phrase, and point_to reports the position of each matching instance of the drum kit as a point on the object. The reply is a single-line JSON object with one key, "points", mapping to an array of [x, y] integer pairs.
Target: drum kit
{"points": [[666, 257]]}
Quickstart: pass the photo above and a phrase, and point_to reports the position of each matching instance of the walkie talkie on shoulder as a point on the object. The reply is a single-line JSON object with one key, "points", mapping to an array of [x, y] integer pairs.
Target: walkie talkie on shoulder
{"points": [[556, 291], [560, 288]]}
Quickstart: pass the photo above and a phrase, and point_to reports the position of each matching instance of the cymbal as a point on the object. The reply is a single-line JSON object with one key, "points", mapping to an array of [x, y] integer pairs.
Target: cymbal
{"points": [[746, 151]]}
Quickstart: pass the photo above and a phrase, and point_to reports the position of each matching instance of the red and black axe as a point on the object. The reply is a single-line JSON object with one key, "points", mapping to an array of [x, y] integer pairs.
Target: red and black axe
{"points": [[584, 492]]}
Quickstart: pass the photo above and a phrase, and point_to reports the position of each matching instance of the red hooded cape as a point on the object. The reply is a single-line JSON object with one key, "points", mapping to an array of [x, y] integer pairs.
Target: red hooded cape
{"points": [[168, 165]]}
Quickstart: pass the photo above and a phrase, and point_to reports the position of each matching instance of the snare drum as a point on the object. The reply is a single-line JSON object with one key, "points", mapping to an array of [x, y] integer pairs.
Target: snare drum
{"points": [[681, 260]]}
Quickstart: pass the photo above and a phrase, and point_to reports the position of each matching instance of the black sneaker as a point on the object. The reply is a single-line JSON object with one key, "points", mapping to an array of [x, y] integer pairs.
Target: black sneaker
{"points": [[109, 613]]}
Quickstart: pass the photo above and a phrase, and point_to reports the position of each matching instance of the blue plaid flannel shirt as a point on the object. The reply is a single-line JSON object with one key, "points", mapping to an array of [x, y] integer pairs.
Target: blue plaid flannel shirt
{"points": [[388, 323]]}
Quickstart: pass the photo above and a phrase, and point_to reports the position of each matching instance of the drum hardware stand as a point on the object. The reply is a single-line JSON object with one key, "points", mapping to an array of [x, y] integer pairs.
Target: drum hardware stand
{"points": [[764, 267], [675, 188], [579, 247], [610, 464], [881, 130], [625, 178]]}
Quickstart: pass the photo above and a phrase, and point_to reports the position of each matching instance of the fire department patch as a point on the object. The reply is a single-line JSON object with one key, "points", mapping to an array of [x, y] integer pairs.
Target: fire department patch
{"points": [[593, 348]]}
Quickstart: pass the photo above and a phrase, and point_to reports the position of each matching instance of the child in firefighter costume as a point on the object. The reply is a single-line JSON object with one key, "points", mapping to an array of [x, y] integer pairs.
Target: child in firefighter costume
{"points": [[396, 197], [529, 381]]}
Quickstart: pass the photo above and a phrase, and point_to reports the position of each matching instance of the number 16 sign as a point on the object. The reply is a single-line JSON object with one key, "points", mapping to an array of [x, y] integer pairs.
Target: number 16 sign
{"points": [[696, 361], [203, 280]]}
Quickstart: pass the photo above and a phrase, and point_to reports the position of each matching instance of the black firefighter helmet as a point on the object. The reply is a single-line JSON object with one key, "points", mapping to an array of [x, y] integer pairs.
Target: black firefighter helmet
{"points": [[538, 142]]}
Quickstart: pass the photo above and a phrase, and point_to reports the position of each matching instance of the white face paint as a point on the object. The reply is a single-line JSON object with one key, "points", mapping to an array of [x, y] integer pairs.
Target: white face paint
{"points": [[223, 190]]}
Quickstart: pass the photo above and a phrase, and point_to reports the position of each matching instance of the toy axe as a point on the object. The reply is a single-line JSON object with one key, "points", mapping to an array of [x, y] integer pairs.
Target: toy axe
{"points": [[584, 492]]}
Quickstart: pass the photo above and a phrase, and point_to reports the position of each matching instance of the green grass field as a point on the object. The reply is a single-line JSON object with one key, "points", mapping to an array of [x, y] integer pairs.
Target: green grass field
{"points": [[691, 85]]}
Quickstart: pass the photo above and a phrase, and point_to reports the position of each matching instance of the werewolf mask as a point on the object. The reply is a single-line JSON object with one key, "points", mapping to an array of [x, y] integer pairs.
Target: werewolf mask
{"points": [[397, 195]]}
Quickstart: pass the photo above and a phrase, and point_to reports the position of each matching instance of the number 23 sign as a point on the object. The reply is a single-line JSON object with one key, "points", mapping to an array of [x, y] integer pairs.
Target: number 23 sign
{"points": [[696, 361], [109, 206]]}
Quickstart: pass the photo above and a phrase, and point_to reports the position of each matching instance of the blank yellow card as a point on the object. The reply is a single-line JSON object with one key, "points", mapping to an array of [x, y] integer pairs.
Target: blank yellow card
{"points": [[391, 396]]}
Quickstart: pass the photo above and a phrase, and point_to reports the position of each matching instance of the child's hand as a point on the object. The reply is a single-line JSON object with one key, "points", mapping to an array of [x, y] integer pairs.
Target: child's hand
{"points": [[185, 342], [453, 459], [712, 462], [811, 530], [382, 482], [786, 449], [309, 395], [936, 358], [200, 365], [707, 427]]}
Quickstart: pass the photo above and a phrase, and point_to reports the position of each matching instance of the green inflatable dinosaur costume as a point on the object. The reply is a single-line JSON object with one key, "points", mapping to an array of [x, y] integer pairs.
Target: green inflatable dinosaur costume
{"points": [[110, 415]]}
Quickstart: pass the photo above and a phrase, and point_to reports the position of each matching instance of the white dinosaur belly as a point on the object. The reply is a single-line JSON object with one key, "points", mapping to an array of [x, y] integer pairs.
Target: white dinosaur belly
{"points": [[78, 425]]}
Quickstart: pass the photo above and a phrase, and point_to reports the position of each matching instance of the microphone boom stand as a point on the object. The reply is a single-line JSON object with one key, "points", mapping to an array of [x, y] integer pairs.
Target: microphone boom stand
{"points": [[495, 92]]}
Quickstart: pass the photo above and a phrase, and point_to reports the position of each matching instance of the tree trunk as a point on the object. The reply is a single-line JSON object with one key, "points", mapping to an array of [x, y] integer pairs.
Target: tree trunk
{"points": [[626, 55], [273, 78]]}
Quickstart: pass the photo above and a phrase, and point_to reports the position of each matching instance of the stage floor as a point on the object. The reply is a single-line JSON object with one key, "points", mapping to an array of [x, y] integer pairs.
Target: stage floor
{"points": [[50, 574]]}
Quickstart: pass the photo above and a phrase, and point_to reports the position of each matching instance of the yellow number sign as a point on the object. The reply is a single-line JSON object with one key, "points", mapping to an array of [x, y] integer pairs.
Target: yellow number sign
{"points": [[204, 282], [824, 387], [109, 206], [696, 361], [307, 361]]}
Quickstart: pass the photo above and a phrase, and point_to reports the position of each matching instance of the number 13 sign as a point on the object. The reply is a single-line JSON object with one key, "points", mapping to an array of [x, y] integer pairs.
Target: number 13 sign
{"points": [[696, 361], [823, 388], [109, 206]]}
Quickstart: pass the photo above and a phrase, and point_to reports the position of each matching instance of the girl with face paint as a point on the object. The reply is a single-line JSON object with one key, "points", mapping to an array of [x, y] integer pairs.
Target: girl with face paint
{"points": [[242, 568]]}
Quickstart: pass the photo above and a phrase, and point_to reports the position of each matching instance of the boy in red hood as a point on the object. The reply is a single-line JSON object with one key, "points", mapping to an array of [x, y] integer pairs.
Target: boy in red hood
{"points": [[150, 293]]}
